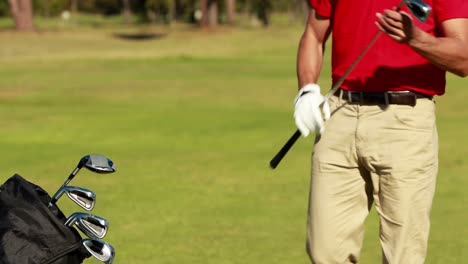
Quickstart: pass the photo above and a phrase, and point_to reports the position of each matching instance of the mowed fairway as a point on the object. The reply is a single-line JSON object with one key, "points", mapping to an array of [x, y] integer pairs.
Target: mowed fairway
{"points": [[191, 121]]}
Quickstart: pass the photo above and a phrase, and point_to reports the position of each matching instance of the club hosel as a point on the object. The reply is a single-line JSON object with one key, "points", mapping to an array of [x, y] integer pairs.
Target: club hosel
{"points": [[52, 201], [70, 221], [56, 196]]}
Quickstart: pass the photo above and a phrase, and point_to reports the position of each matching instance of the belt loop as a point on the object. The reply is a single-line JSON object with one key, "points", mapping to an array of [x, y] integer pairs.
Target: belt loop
{"points": [[350, 98], [387, 100], [341, 97]]}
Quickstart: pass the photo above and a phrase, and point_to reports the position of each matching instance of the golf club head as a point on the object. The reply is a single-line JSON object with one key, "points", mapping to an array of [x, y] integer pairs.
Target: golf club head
{"points": [[94, 162], [98, 163], [85, 198], [99, 249], [91, 225], [419, 9]]}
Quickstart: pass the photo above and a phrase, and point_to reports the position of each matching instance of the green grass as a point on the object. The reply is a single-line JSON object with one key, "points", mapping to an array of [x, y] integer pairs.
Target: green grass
{"points": [[191, 121]]}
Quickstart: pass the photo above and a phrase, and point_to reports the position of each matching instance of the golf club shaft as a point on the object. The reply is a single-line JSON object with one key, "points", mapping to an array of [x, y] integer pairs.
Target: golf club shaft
{"points": [[284, 150], [55, 197], [340, 81]]}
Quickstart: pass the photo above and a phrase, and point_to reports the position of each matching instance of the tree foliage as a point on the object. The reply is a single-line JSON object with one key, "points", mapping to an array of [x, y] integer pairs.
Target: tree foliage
{"points": [[49, 7], [166, 11], [114, 7]]}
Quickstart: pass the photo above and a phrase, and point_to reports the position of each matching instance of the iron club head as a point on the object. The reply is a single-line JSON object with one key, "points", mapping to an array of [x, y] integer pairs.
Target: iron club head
{"points": [[99, 249], [81, 196], [92, 225], [85, 198]]}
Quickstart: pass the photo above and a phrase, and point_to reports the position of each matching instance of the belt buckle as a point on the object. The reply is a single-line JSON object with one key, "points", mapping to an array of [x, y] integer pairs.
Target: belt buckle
{"points": [[411, 98]]}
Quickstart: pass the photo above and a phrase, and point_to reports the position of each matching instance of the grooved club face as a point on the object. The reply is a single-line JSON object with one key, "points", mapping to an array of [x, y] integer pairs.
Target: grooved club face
{"points": [[81, 196], [85, 198], [93, 226], [100, 250]]}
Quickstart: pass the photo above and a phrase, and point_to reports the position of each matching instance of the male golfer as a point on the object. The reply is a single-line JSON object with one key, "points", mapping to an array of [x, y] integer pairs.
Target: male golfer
{"points": [[379, 145]]}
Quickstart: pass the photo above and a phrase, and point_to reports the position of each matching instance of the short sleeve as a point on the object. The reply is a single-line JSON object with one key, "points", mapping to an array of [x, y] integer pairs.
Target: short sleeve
{"points": [[324, 7], [449, 9]]}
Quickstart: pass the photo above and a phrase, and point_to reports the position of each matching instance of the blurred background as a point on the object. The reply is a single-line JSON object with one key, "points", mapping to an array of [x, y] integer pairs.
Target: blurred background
{"points": [[190, 99], [200, 12]]}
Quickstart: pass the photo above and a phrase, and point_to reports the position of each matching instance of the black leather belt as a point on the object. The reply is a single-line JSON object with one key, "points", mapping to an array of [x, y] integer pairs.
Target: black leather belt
{"points": [[376, 98]]}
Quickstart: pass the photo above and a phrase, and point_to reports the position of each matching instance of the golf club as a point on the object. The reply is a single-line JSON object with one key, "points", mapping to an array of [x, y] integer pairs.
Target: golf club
{"points": [[94, 162], [81, 196], [418, 8], [93, 226], [101, 250]]}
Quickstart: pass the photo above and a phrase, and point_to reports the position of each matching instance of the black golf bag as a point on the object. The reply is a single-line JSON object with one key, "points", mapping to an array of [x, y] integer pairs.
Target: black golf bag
{"points": [[33, 233]]}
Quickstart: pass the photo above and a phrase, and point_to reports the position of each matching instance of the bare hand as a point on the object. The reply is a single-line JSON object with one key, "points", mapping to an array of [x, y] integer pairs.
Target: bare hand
{"points": [[397, 25]]}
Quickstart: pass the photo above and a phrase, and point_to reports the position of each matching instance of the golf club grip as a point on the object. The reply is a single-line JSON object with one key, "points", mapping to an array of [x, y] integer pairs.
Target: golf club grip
{"points": [[277, 159]]}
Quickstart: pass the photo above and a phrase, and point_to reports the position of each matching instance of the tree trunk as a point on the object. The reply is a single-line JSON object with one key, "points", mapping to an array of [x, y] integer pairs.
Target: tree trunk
{"points": [[263, 12], [298, 9], [171, 13], [246, 10], [47, 8], [74, 6], [231, 11], [213, 13], [127, 11], [305, 10], [22, 13], [210, 13], [204, 10]]}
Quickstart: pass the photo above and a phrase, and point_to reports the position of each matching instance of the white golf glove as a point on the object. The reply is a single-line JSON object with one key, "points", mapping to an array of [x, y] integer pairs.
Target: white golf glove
{"points": [[307, 112]]}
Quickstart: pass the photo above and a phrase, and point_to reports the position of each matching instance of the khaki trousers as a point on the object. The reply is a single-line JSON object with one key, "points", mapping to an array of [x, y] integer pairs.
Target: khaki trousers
{"points": [[385, 155]]}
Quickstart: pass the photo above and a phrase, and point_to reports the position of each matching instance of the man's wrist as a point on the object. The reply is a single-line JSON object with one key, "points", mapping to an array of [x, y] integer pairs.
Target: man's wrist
{"points": [[418, 40], [310, 87]]}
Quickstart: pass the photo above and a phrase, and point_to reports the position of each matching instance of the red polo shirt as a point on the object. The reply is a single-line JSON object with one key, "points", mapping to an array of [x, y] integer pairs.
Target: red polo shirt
{"points": [[387, 65]]}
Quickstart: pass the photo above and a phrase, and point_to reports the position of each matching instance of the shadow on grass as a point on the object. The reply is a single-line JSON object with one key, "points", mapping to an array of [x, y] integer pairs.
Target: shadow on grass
{"points": [[139, 36]]}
